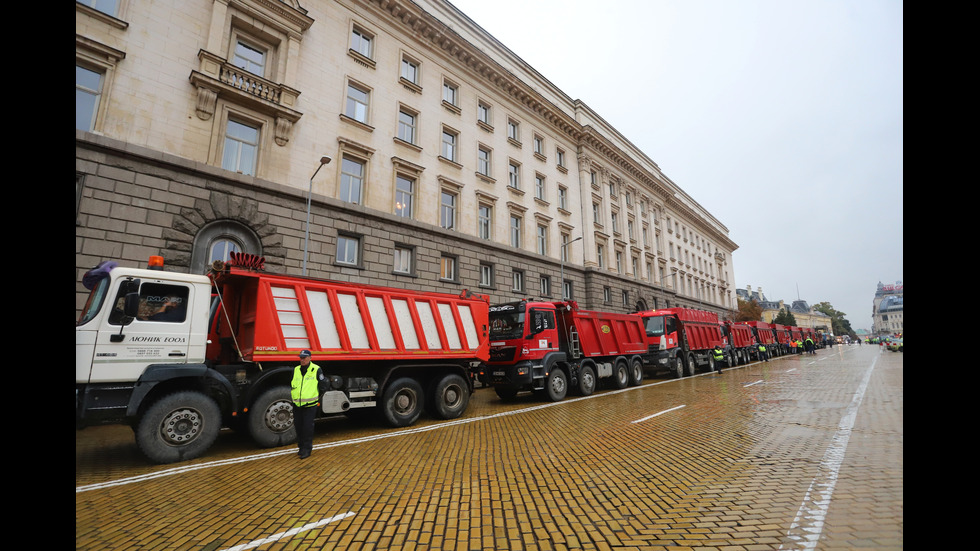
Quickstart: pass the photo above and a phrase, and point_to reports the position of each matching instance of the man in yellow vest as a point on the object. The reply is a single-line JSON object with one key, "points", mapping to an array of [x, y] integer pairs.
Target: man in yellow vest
{"points": [[308, 384], [719, 356]]}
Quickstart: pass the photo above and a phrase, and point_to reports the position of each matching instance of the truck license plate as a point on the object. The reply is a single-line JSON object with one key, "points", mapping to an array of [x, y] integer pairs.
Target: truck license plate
{"points": [[498, 373]]}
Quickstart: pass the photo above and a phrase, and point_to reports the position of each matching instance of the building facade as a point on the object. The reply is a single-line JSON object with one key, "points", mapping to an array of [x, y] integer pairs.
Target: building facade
{"points": [[388, 142], [888, 310]]}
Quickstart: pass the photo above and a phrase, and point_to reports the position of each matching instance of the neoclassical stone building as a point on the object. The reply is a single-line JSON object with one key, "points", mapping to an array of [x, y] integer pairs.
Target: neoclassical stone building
{"points": [[390, 142]]}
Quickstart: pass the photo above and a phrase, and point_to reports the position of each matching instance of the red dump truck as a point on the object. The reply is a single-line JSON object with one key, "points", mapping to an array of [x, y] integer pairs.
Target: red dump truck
{"points": [[783, 335], [763, 333], [739, 342], [179, 356], [680, 339], [549, 347]]}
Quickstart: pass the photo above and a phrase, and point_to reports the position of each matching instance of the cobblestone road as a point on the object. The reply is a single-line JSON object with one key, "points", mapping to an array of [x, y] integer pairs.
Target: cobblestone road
{"points": [[803, 452]]}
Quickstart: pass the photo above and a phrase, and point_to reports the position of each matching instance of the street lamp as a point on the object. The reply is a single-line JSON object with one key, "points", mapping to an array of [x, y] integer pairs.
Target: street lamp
{"points": [[325, 159], [561, 285]]}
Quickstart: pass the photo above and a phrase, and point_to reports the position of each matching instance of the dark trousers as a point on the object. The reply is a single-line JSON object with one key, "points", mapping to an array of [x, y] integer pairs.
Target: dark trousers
{"points": [[303, 418]]}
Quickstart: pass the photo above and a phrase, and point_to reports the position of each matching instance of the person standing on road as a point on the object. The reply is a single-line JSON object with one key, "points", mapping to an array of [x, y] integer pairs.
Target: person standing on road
{"points": [[308, 384], [763, 353], [810, 349], [719, 356]]}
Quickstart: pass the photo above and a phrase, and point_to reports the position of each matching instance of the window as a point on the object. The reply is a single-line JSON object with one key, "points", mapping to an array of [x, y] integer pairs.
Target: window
{"points": [[596, 216], [410, 70], [162, 302], [348, 250], [614, 218], [249, 57], [486, 275], [108, 7], [217, 240], [88, 95], [538, 145], [514, 175], [407, 121], [564, 247], [545, 286], [483, 114], [560, 154], [606, 294], [447, 267], [351, 180], [513, 131], [626, 298], [562, 197], [515, 230], [221, 249], [542, 240], [539, 189], [517, 280], [483, 161], [404, 196], [450, 93], [362, 42], [449, 139], [484, 222], [241, 148], [358, 100], [566, 290], [619, 262], [403, 260], [600, 253], [447, 210]]}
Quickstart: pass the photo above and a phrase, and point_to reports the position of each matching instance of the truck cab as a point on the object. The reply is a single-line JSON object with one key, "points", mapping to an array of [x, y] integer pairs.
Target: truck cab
{"points": [[524, 342]]}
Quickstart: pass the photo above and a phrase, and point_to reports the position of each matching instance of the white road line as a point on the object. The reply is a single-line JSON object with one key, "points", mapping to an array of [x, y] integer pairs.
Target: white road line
{"points": [[759, 382], [808, 524], [656, 414], [289, 533]]}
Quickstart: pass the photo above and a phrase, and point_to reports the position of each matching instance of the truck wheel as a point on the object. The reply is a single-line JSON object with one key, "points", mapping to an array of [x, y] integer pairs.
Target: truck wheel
{"points": [[402, 402], [557, 385], [450, 397], [678, 367], [270, 419], [621, 375], [636, 372], [586, 380], [692, 365], [711, 364], [180, 426]]}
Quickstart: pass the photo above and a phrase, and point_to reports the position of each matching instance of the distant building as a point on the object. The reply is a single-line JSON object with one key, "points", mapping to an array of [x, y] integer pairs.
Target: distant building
{"points": [[888, 309], [804, 314]]}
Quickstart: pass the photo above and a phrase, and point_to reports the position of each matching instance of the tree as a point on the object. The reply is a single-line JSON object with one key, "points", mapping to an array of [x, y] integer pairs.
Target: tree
{"points": [[839, 323], [784, 318], [748, 311]]}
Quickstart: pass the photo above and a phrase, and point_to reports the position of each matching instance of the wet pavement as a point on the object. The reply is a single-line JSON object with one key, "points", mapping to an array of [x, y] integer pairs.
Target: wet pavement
{"points": [[803, 452]]}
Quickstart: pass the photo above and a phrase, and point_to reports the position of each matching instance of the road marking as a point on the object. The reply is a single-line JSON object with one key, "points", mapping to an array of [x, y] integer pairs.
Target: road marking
{"points": [[808, 524], [289, 533], [759, 382], [656, 414]]}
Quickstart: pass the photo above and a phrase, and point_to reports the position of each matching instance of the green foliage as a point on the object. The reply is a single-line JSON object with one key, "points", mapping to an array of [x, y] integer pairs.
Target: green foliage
{"points": [[784, 318], [839, 323]]}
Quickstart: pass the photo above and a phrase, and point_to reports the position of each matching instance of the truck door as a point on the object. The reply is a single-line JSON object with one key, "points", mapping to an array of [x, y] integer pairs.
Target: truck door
{"points": [[542, 332], [160, 333]]}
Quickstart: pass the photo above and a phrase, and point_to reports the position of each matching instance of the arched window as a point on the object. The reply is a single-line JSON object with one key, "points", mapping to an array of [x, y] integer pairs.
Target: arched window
{"points": [[218, 239]]}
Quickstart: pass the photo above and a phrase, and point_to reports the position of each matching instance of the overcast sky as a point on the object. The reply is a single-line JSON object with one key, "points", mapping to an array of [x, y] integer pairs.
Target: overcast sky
{"points": [[783, 118]]}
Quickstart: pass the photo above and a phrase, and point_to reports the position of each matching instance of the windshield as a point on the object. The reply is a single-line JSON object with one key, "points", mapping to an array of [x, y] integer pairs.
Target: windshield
{"points": [[655, 326], [506, 325], [94, 302]]}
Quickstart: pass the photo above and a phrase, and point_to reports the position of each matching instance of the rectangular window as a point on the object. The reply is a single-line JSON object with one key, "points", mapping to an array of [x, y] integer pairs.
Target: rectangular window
{"points": [[447, 267], [542, 240], [351, 180], [241, 148], [486, 275], [560, 154], [514, 175], [483, 113], [566, 290], [562, 198], [410, 70], [357, 103], [347, 250], [108, 7], [449, 144], [513, 130], [88, 94], [447, 210], [539, 189], [361, 42], [515, 230], [450, 93], [406, 125], [249, 58], [403, 260], [483, 161], [538, 145], [404, 196], [545, 286], [485, 226], [517, 280]]}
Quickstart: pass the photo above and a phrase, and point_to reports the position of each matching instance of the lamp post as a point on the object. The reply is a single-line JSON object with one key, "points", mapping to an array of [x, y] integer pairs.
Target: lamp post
{"points": [[561, 285], [325, 159]]}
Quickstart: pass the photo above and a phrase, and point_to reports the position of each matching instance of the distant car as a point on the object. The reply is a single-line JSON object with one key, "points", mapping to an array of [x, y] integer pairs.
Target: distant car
{"points": [[895, 345]]}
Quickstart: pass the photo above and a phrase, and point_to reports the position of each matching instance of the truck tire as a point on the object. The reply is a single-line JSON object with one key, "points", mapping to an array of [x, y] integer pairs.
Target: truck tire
{"points": [[678, 367], [586, 380], [450, 395], [692, 365], [179, 426], [402, 403], [621, 374], [556, 386], [636, 372], [270, 419]]}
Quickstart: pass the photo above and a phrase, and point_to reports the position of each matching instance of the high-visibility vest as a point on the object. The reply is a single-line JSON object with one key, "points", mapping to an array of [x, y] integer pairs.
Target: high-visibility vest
{"points": [[305, 391], [719, 355], [762, 348]]}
